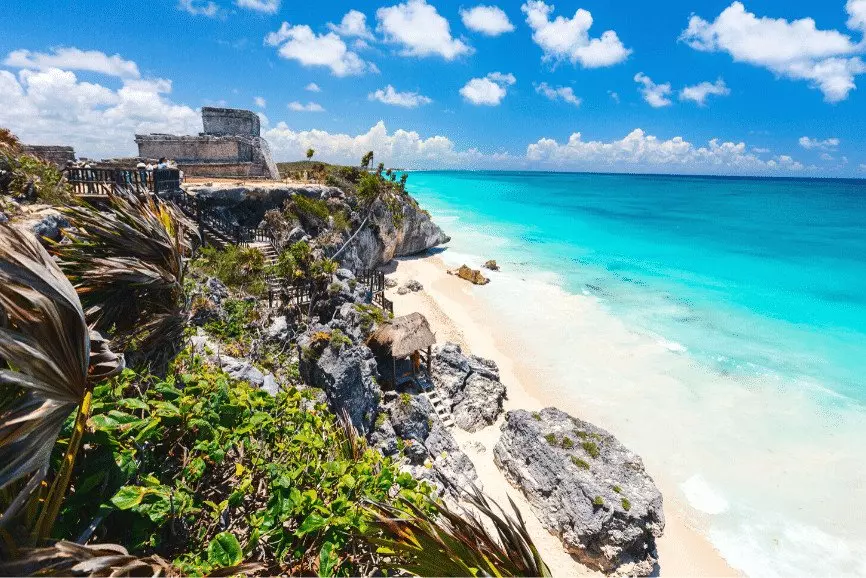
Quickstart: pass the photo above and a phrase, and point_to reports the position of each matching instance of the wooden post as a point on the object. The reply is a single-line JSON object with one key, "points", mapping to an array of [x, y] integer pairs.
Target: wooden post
{"points": [[429, 362]]}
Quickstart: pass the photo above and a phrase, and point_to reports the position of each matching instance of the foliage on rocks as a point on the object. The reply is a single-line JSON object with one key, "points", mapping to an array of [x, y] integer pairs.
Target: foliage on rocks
{"points": [[241, 268], [24, 175]]}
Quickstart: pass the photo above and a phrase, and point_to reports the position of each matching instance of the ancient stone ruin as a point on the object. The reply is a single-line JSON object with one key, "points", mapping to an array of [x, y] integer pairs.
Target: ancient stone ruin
{"points": [[230, 146], [54, 154]]}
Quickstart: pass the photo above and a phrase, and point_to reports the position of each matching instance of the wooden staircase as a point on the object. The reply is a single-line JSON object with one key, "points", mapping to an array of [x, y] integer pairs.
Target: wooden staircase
{"points": [[439, 406]]}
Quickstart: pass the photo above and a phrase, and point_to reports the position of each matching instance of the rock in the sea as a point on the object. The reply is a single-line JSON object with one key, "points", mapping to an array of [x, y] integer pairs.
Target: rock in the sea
{"points": [[491, 264], [585, 487], [470, 384], [471, 275]]}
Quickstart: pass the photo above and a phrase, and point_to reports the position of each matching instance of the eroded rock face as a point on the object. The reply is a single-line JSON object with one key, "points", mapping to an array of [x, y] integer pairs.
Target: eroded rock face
{"points": [[471, 385], [585, 487]]}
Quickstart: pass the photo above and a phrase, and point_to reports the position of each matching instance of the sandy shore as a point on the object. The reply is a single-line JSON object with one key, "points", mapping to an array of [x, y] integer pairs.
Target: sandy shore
{"points": [[455, 315]]}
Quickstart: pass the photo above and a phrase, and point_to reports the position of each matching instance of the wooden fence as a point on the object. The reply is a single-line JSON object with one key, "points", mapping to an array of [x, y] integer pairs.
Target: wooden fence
{"points": [[101, 181]]}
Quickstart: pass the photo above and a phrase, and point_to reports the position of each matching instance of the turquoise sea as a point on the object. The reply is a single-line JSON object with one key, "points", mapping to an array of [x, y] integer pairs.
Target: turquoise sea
{"points": [[746, 299]]}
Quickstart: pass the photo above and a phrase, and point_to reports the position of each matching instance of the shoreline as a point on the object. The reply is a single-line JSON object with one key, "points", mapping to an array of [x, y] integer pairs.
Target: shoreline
{"points": [[455, 314]]}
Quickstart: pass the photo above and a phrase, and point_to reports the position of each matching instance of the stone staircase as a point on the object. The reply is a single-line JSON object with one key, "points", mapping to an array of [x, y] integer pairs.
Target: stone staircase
{"points": [[442, 410]]}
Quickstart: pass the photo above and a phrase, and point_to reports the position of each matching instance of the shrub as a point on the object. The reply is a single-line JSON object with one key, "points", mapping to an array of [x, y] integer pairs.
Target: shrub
{"points": [[239, 314], [339, 339], [370, 316], [241, 268], [405, 398], [536, 416], [626, 505], [617, 489], [551, 439], [591, 448], [341, 221], [303, 206], [598, 502], [579, 462], [567, 443]]}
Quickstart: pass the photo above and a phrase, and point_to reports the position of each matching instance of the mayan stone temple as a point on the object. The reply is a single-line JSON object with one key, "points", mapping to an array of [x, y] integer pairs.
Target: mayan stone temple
{"points": [[230, 146]]}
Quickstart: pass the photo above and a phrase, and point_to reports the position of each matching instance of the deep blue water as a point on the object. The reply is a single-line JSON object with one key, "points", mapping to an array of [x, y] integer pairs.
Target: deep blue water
{"points": [[751, 276]]}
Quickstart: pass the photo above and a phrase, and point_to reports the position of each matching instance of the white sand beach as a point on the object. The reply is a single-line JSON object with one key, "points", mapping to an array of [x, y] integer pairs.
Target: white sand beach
{"points": [[456, 315]]}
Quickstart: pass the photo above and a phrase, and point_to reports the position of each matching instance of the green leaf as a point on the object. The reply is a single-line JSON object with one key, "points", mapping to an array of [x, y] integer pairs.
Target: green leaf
{"points": [[128, 497], [312, 523], [224, 550], [328, 559]]}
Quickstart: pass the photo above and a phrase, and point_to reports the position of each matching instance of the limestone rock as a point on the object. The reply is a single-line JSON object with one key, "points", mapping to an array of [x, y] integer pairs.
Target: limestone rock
{"points": [[471, 275], [585, 487], [278, 329], [491, 264], [411, 416], [470, 384], [390, 283], [410, 286], [246, 371], [48, 223]]}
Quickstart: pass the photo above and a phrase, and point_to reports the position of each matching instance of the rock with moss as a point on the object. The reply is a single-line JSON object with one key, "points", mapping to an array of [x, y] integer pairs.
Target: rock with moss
{"points": [[590, 490]]}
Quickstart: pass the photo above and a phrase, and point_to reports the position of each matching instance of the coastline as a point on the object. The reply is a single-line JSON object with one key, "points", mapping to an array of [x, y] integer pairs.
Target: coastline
{"points": [[455, 314]]}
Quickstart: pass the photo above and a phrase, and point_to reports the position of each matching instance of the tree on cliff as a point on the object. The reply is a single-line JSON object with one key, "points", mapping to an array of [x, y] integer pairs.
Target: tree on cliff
{"points": [[369, 189], [367, 160], [310, 153]]}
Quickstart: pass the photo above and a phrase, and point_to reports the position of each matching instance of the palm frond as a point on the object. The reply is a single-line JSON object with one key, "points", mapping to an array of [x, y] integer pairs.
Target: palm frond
{"points": [[457, 543], [70, 559], [127, 265]]}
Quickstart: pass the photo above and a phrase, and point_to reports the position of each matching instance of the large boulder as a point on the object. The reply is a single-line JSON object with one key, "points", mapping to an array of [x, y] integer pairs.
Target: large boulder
{"points": [[471, 386], [345, 373], [585, 487], [472, 275]]}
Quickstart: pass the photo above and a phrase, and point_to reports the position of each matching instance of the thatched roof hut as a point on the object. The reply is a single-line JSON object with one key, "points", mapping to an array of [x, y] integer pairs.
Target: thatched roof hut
{"points": [[402, 336]]}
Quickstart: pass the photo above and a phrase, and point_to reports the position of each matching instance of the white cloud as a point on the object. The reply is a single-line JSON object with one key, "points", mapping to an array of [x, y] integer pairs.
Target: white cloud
{"points": [[489, 20], [312, 87], [568, 38], [354, 24], [310, 49], [260, 102], [309, 107], [564, 93], [640, 151], [389, 95], [613, 95], [655, 94], [699, 92], [74, 59], [488, 91], [200, 7], [52, 106], [826, 157], [401, 148], [263, 6], [795, 49], [420, 29], [829, 144], [863, 167]]}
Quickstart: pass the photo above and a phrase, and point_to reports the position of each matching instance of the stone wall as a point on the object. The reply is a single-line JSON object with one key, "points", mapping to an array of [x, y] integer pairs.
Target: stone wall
{"points": [[54, 154], [230, 121]]}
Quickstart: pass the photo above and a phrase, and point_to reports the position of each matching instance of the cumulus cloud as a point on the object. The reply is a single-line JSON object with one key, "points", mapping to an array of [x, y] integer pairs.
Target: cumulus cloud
{"points": [[300, 43], [640, 151], [260, 102], [828, 144], [568, 38], [74, 59], [420, 30], [389, 95], [354, 24], [262, 6], [699, 92], [656, 95], [488, 91], [200, 7], [488, 20], [794, 49], [49, 105], [309, 107], [399, 148], [564, 93], [312, 87]]}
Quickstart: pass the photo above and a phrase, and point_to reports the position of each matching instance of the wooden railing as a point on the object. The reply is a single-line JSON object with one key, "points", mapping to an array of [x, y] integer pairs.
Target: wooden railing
{"points": [[102, 181]]}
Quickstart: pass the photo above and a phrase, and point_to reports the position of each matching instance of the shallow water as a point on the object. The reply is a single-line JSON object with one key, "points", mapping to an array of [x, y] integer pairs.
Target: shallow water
{"points": [[726, 342]]}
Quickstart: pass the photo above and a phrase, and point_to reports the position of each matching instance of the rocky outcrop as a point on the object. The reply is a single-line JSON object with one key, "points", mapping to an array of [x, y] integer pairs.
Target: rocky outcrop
{"points": [[491, 264], [46, 222], [472, 275], [411, 286], [585, 487], [470, 384]]}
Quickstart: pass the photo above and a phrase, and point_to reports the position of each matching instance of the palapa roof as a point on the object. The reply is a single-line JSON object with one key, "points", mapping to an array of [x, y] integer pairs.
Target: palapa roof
{"points": [[402, 336]]}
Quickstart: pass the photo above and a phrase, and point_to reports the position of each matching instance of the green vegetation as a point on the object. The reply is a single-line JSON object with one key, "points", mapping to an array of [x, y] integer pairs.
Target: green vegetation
{"points": [[238, 315], [617, 489], [567, 444], [598, 501], [591, 448], [23, 175], [580, 463], [241, 268], [551, 439], [405, 399], [304, 206], [536, 416], [626, 505], [339, 339], [370, 316]]}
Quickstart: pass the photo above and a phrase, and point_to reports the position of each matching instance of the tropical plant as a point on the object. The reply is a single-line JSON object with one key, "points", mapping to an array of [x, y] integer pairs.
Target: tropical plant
{"points": [[242, 268], [53, 359], [28, 176], [445, 542], [367, 159], [369, 190], [127, 264], [310, 153]]}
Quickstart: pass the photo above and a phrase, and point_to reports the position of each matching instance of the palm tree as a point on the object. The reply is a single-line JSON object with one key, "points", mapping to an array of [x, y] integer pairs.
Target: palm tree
{"points": [[310, 153], [127, 264], [53, 360], [367, 160]]}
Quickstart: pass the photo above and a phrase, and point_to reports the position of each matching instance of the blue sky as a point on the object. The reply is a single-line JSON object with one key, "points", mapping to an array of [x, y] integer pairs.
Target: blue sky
{"points": [[759, 87]]}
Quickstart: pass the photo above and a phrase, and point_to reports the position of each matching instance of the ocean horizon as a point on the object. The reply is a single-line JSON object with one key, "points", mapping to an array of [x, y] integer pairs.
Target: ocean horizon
{"points": [[725, 343]]}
